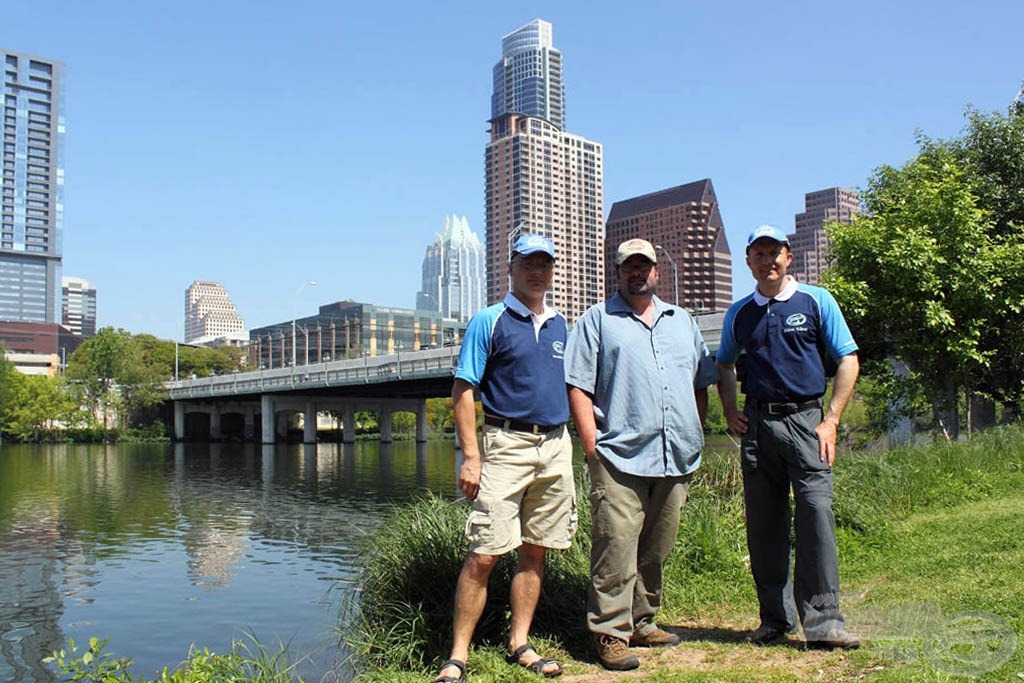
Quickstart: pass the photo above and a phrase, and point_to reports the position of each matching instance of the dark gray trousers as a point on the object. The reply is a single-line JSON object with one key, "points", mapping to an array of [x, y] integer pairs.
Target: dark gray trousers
{"points": [[780, 453]]}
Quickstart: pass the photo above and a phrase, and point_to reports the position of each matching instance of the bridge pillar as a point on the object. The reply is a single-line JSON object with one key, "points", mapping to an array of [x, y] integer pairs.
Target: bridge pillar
{"points": [[214, 422], [421, 420], [309, 423], [348, 423], [385, 422], [250, 422], [179, 420], [267, 418]]}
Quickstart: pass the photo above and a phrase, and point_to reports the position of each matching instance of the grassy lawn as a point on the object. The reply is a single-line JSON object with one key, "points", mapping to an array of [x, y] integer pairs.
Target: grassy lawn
{"points": [[930, 560]]}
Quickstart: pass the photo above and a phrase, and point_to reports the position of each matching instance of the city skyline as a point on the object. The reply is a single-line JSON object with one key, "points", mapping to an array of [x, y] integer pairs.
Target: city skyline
{"points": [[184, 163]]}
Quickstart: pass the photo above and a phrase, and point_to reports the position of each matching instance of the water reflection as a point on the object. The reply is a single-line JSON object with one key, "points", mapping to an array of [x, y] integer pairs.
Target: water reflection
{"points": [[159, 547]]}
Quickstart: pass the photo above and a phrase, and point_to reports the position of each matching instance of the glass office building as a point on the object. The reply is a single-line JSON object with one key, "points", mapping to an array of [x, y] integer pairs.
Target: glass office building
{"points": [[528, 79], [31, 189]]}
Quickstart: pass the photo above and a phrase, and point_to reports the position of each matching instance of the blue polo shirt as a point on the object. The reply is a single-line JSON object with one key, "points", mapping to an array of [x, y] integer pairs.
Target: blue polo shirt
{"points": [[784, 338], [515, 357], [643, 381]]}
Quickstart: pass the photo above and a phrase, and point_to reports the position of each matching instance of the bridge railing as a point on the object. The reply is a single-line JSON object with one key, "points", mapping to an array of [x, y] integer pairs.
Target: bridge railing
{"points": [[368, 370]]}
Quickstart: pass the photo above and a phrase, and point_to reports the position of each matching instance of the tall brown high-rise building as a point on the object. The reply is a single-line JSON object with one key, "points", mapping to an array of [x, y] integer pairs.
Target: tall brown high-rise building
{"points": [[541, 179], [685, 225], [809, 243]]}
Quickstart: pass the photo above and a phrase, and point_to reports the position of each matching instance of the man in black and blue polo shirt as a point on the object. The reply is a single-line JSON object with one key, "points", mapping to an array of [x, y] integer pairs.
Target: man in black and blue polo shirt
{"points": [[521, 484], [786, 328]]}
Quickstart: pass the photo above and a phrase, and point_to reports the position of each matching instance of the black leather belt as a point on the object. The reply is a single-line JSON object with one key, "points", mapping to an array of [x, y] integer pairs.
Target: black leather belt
{"points": [[518, 426], [785, 408]]}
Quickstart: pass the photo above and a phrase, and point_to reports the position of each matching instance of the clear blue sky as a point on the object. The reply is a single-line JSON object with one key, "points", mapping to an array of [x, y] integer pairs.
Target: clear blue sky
{"points": [[265, 144]]}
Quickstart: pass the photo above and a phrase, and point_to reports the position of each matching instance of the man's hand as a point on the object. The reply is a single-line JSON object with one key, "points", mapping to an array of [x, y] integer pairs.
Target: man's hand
{"points": [[469, 476], [826, 432], [737, 422]]}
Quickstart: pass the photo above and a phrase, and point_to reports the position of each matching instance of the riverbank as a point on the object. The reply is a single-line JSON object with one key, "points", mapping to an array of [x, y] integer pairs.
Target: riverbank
{"points": [[929, 552]]}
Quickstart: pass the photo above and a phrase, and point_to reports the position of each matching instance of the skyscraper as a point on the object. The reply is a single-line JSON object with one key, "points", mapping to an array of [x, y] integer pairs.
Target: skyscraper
{"points": [[31, 189], [528, 79], [809, 242], [209, 312], [542, 179], [453, 272], [78, 312], [685, 222]]}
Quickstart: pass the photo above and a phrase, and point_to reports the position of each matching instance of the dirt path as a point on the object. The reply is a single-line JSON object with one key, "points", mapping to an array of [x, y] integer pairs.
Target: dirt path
{"points": [[721, 650]]}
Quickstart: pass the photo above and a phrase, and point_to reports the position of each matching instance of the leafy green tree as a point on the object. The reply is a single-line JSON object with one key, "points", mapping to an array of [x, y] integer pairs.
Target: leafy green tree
{"points": [[7, 379], [992, 151], [40, 403], [440, 417], [115, 377], [920, 277], [403, 422]]}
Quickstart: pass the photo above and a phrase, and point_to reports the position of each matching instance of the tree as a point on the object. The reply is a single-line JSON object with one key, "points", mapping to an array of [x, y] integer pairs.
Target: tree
{"points": [[114, 374], [39, 403], [992, 151], [920, 278], [440, 416]]}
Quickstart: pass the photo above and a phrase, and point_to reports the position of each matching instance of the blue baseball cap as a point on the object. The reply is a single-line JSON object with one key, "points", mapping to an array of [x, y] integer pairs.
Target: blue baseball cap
{"points": [[531, 244], [769, 231]]}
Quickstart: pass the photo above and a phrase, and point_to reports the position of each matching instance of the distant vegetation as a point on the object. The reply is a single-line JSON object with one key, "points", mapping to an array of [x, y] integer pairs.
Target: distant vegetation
{"points": [[109, 390]]}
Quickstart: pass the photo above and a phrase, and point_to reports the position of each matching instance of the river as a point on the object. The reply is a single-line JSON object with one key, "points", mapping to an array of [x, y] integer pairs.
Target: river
{"points": [[157, 547]]}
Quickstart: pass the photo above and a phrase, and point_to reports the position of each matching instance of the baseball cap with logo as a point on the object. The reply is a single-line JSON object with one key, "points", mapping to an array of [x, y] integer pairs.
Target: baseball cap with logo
{"points": [[532, 244], [768, 231], [635, 246]]}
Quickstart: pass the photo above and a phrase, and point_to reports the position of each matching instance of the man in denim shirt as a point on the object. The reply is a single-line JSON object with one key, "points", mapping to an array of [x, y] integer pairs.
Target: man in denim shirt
{"points": [[638, 372]]}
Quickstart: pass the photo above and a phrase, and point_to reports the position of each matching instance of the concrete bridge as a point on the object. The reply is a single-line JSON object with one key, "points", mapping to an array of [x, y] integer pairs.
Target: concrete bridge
{"points": [[384, 384]]}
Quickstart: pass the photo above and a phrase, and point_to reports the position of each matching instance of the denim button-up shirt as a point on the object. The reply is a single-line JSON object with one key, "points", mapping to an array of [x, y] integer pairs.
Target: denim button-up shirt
{"points": [[643, 381]]}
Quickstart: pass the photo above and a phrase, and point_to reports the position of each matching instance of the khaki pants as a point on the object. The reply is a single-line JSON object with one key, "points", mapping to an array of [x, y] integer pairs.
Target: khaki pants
{"points": [[635, 524]]}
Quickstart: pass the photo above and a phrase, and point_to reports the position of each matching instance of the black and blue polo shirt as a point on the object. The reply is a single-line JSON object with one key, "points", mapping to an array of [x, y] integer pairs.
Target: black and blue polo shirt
{"points": [[516, 360], [784, 337]]}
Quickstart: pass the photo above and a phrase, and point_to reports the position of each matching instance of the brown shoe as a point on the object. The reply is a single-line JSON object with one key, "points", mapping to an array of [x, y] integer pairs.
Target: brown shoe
{"points": [[614, 654], [650, 635]]}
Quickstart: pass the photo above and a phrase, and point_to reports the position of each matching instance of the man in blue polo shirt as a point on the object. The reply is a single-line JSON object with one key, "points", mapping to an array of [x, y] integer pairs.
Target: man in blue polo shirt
{"points": [[786, 328], [638, 372], [521, 486]]}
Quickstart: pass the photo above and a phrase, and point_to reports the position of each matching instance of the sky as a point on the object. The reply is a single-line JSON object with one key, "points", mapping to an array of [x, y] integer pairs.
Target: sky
{"points": [[265, 145]]}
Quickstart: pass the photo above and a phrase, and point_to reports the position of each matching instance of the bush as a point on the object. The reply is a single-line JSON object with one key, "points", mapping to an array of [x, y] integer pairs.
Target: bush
{"points": [[400, 616]]}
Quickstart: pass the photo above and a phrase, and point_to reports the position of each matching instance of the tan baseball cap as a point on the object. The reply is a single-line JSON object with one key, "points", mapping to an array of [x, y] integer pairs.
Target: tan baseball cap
{"points": [[636, 246]]}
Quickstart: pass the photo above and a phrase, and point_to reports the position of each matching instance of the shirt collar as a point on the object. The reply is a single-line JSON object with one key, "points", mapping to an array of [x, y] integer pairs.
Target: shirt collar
{"points": [[521, 309], [618, 304], [785, 295]]}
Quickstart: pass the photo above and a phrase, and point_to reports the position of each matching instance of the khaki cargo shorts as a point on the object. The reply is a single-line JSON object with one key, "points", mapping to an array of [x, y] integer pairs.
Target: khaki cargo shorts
{"points": [[527, 493]]}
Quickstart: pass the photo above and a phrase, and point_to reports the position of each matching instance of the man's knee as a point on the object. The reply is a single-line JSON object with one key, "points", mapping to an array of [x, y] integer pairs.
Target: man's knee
{"points": [[478, 565]]}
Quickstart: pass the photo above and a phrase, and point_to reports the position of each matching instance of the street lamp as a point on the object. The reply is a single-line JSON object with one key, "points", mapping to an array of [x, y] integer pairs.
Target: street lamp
{"points": [[675, 272], [295, 303], [511, 237]]}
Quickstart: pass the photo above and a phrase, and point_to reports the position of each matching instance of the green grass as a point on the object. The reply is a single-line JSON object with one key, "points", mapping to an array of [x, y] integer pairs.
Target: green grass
{"points": [[926, 535]]}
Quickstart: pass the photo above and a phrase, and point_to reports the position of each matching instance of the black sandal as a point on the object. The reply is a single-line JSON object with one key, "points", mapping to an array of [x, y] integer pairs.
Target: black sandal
{"points": [[461, 666], [536, 667]]}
